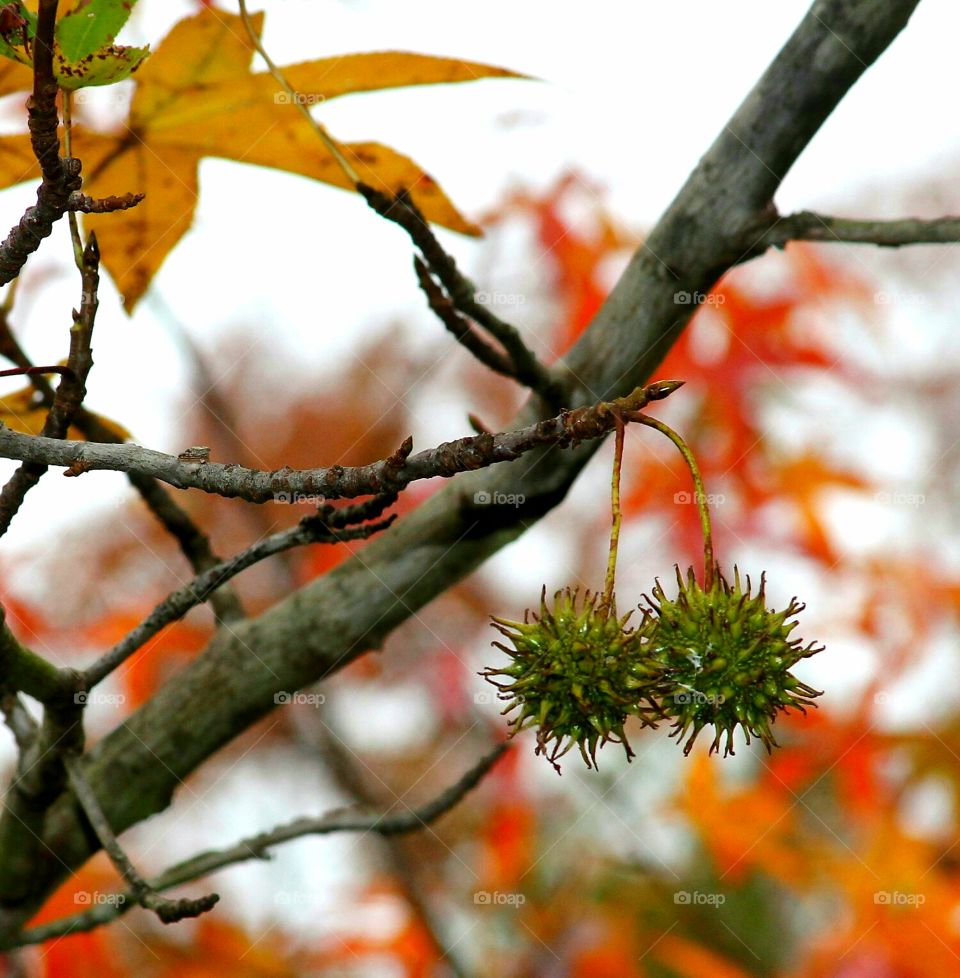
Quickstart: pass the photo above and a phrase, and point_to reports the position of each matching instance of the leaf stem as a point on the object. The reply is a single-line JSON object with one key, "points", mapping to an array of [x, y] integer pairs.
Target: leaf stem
{"points": [[327, 140], [701, 496], [609, 596], [67, 100]]}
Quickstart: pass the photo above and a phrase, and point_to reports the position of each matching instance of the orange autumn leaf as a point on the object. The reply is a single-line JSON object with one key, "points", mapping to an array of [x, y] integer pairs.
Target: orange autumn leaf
{"points": [[689, 960], [803, 482], [220, 947], [14, 77], [145, 671], [902, 900], [407, 944], [83, 955], [746, 829]]}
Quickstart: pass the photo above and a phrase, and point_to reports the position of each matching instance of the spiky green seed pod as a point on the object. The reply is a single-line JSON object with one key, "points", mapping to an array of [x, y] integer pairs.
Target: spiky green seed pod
{"points": [[575, 674], [724, 659]]}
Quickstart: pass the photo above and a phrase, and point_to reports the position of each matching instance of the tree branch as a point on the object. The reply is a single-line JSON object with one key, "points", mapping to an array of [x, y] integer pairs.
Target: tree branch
{"points": [[60, 177], [169, 911], [323, 527], [257, 846], [70, 392], [524, 365], [810, 226], [291, 485]]}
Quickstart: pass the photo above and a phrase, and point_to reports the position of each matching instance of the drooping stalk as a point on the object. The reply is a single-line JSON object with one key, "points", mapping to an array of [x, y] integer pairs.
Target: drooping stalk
{"points": [[77, 241], [609, 598], [701, 496]]}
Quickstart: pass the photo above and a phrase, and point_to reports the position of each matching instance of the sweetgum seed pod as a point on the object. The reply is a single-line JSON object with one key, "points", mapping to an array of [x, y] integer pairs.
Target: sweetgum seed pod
{"points": [[722, 659]]}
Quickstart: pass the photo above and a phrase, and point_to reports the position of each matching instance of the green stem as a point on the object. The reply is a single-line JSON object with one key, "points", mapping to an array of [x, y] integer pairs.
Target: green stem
{"points": [[609, 598], [67, 97], [701, 496]]}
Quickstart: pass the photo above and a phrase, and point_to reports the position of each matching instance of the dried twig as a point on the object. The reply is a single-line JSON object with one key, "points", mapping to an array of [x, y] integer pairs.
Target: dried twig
{"points": [[83, 204], [323, 527], [525, 367], [388, 475], [71, 391], [60, 177], [257, 846], [810, 226], [459, 326], [169, 911]]}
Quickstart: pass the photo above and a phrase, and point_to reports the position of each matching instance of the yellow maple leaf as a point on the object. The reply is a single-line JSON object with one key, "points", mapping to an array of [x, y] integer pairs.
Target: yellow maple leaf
{"points": [[196, 97], [22, 410]]}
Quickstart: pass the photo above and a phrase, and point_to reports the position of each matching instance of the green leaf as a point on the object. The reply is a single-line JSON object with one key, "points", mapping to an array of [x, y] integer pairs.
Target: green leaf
{"points": [[10, 52], [90, 26], [104, 67]]}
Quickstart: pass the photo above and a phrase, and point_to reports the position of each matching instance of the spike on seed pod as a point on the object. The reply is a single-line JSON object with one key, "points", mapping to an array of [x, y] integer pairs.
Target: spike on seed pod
{"points": [[575, 674], [723, 659]]}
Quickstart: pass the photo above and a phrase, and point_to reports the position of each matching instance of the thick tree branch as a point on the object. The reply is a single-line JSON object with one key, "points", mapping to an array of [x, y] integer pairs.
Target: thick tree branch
{"points": [[258, 846], [290, 485], [715, 218]]}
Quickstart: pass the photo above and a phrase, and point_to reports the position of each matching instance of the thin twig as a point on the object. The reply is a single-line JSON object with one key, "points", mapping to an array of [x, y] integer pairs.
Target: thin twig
{"points": [[71, 391], [169, 911], [459, 326], [526, 368], [60, 177], [23, 727], [336, 482], [193, 542], [311, 529], [84, 204], [257, 846], [810, 226]]}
